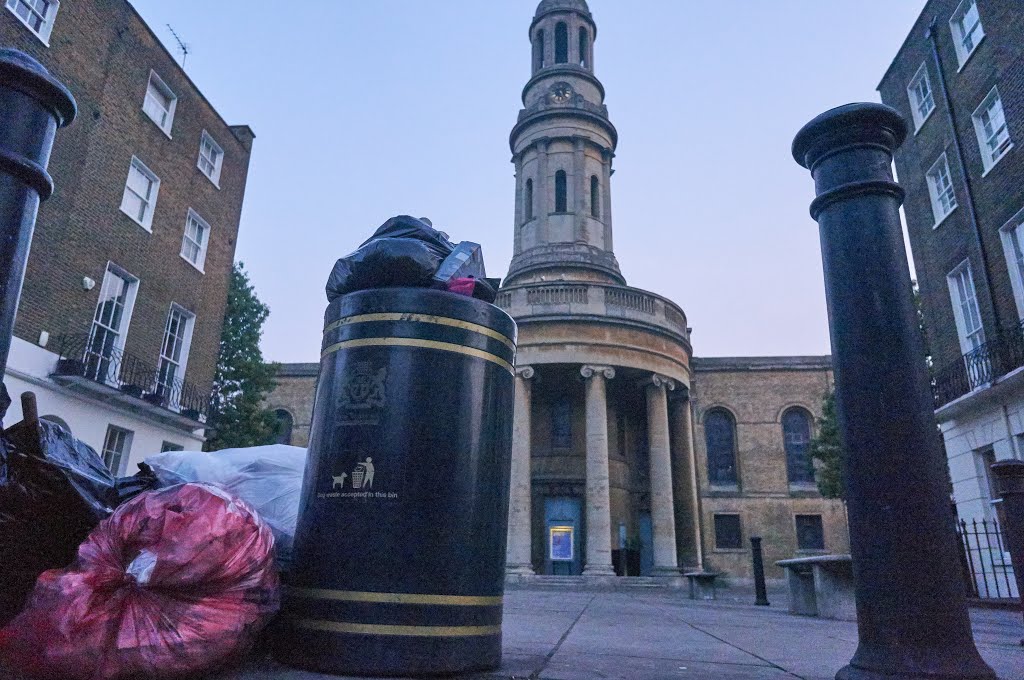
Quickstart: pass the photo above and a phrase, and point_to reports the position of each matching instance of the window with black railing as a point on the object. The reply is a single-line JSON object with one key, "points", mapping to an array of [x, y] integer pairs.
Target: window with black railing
{"points": [[981, 366], [93, 358]]}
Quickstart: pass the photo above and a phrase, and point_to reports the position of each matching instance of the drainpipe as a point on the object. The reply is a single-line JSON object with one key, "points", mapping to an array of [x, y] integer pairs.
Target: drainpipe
{"points": [[972, 212]]}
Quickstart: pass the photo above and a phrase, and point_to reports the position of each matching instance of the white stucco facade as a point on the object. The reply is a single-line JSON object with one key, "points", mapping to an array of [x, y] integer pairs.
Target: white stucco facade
{"points": [[981, 428], [29, 369]]}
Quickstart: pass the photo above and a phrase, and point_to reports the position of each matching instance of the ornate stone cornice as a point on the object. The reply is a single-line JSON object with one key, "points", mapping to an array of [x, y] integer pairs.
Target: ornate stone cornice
{"points": [[590, 371], [658, 380]]}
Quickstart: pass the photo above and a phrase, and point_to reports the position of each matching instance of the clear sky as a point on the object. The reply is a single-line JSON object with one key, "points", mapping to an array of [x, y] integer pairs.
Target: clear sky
{"points": [[372, 108]]}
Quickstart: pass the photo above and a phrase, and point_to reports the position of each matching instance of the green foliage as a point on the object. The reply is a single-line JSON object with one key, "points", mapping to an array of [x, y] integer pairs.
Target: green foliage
{"points": [[242, 380], [828, 450]]}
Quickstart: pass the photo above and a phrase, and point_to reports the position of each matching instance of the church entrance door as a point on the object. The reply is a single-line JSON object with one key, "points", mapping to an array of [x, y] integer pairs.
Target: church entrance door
{"points": [[563, 554]]}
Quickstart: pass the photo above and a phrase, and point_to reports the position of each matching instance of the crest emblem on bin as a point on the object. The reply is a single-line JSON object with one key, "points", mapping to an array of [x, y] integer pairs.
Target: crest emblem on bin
{"points": [[365, 387]]}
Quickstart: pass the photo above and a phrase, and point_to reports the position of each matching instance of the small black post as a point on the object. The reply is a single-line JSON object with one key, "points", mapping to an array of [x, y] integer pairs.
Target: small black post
{"points": [[1010, 485], [33, 105], [759, 587], [911, 605]]}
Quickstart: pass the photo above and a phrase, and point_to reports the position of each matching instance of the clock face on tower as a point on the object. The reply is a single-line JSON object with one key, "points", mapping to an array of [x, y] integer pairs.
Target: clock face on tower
{"points": [[561, 93]]}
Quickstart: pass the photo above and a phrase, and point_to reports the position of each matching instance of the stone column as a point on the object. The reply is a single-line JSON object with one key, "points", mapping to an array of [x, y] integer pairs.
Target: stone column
{"points": [[519, 560], [684, 487], [606, 196], [663, 518], [543, 192], [599, 511], [579, 187], [517, 241]]}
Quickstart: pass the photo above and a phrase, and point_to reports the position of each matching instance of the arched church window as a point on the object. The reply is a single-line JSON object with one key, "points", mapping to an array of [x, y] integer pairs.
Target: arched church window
{"points": [[595, 197], [720, 440], [528, 200], [561, 199], [538, 51], [561, 424], [561, 43], [584, 41], [283, 431], [796, 435]]}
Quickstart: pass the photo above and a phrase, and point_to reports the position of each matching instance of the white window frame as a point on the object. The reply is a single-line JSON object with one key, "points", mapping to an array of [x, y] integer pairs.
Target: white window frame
{"points": [[186, 240], [123, 455], [111, 271], [916, 102], [1013, 249], [962, 53], [156, 82], [46, 19], [936, 192], [987, 159], [970, 339], [218, 162], [186, 345], [147, 219]]}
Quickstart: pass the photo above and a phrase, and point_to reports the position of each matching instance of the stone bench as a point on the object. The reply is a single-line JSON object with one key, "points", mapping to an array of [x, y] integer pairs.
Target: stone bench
{"points": [[821, 586], [702, 584]]}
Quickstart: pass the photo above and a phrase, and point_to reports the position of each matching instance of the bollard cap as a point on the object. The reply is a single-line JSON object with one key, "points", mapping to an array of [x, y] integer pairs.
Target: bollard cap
{"points": [[1009, 476], [21, 72], [849, 125]]}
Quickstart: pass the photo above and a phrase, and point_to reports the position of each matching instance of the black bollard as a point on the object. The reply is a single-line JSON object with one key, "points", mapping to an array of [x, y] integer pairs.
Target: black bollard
{"points": [[1010, 485], [759, 587], [911, 603], [32, 106]]}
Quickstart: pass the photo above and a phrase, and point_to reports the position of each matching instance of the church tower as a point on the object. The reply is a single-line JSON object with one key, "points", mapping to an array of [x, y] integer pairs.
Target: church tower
{"points": [[562, 147]]}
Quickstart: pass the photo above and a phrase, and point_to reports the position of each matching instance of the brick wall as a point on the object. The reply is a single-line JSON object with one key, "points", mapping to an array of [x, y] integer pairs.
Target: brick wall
{"points": [[103, 52], [997, 61]]}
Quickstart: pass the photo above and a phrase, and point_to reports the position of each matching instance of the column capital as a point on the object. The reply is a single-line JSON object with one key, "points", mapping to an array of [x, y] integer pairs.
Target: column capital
{"points": [[658, 380], [590, 371], [542, 143], [525, 372]]}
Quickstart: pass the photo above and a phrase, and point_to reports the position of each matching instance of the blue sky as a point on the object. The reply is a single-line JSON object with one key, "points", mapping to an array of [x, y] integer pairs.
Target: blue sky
{"points": [[364, 110]]}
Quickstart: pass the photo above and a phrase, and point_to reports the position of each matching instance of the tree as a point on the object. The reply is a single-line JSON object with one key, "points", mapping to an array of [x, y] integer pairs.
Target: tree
{"points": [[828, 450], [242, 379]]}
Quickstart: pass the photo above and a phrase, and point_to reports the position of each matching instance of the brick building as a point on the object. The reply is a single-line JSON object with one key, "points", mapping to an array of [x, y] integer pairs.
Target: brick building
{"points": [[629, 455], [120, 317], [958, 80]]}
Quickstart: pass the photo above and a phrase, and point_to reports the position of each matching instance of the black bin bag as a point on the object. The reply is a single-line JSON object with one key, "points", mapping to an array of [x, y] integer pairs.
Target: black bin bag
{"points": [[53, 490], [404, 252]]}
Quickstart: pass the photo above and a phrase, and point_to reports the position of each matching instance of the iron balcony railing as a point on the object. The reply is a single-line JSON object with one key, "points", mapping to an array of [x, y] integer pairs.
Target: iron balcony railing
{"points": [[981, 366], [95, 359]]}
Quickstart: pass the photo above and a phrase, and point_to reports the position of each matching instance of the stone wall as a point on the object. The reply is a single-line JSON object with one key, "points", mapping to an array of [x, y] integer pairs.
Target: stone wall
{"points": [[757, 391]]}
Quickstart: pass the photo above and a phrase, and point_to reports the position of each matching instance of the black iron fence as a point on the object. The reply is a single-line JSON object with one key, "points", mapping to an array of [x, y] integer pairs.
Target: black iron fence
{"points": [[985, 562], [981, 366], [97, 358]]}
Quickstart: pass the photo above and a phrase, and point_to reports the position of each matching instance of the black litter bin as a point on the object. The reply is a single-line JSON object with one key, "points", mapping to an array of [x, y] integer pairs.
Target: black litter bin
{"points": [[399, 558]]}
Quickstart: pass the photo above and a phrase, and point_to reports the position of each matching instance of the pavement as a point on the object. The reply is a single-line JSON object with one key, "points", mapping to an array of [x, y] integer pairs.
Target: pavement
{"points": [[658, 634]]}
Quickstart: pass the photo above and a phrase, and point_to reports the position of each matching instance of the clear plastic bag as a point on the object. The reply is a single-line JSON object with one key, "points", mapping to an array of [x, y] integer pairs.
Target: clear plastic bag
{"points": [[269, 478]]}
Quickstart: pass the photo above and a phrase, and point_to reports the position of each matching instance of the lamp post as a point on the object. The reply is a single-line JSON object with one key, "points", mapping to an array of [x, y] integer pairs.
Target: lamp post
{"points": [[911, 606], [33, 104]]}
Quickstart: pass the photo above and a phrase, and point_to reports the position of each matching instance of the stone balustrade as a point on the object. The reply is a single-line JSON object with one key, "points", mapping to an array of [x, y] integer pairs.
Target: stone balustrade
{"points": [[593, 299]]}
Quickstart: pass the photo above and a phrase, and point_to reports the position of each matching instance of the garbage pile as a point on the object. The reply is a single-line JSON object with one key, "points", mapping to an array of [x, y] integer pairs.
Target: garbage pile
{"points": [[406, 252], [152, 576]]}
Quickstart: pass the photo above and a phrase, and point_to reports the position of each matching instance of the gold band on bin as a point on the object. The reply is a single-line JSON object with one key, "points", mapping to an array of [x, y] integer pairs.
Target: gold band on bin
{"points": [[397, 598], [388, 629], [423, 318], [416, 342]]}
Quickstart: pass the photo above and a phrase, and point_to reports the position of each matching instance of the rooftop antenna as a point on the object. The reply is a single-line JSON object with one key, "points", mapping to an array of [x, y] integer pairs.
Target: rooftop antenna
{"points": [[181, 44]]}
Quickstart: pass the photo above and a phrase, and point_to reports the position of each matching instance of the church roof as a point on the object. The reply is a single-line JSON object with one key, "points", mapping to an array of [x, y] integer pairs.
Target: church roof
{"points": [[547, 6]]}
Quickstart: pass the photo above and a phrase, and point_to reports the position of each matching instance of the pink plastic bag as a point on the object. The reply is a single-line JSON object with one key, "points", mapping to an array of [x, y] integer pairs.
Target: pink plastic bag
{"points": [[175, 582]]}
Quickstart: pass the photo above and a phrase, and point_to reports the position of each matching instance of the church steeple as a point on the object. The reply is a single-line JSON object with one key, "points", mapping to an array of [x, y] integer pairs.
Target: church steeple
{"points": [[562, 148]]}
